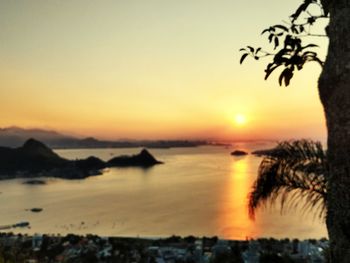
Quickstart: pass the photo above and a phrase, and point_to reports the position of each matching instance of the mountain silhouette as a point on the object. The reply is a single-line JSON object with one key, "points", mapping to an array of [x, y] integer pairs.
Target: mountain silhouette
{"points": [[143, 159], [35, 159]]}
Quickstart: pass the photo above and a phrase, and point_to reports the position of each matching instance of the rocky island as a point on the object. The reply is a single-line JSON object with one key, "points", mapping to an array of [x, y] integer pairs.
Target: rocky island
{"points": [[238, 153], [143, 159], [35, 159]]}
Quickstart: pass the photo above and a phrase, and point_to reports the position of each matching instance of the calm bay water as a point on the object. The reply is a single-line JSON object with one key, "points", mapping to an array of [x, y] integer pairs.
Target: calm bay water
{"points": [[198, 191]]}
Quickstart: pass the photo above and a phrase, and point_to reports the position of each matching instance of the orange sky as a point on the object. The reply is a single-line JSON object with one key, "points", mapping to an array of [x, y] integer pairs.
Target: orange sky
{"points": [[149, 69]]}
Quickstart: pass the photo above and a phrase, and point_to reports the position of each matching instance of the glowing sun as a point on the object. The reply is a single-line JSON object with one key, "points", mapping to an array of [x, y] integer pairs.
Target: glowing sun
{"points": [[240, 119]]}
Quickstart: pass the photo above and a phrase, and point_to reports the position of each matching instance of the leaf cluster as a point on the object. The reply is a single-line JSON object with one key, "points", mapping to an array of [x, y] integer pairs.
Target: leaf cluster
{"points": [[304, 7], [289, 52], [296, 173], [292, 56]]}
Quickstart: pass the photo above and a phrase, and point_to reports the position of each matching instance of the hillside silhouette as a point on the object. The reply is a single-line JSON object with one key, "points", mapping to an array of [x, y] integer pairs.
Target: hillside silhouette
{"points": [[35, 159]]}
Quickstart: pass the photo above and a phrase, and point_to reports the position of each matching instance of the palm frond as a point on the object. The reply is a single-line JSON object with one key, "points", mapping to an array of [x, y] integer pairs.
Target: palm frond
{"points": [[295, 172]]}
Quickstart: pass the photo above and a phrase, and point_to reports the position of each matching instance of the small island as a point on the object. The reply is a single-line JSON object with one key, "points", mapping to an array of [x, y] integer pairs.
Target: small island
{"points": [[35, 182], [35, 210], [143, 159], [238, 153], [34, 159]]}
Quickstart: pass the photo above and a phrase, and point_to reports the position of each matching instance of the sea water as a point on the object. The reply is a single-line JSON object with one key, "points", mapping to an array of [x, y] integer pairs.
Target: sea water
{"points": [[201, 191]]}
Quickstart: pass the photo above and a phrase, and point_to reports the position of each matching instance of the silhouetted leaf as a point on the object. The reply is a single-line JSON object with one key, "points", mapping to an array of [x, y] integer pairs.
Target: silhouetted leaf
{"points": [[271, 37], [251, 49], [294, 29], [269, 70], [280, 79], [287, 76], [310, 53], [279, 59], [300, 9], [276, 42], [281, 27], [311, 20], [243, 57], [319, 61], [309, 46], [265, 30]]}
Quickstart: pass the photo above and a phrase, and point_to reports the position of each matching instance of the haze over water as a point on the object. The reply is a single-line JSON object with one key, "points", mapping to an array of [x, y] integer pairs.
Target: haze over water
{"points": [[198, 191]]}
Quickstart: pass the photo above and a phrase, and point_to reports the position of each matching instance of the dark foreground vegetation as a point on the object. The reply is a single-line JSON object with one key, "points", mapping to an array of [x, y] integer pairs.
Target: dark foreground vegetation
{"points": [[175, 249]]}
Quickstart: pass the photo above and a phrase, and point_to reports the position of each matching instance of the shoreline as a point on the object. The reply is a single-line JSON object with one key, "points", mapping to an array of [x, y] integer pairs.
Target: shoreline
{"points": [[136, 237], [156, 238]]}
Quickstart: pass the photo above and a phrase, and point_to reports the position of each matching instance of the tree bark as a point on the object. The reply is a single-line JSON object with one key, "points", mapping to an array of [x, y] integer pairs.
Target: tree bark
{"points": [[334, 90]]}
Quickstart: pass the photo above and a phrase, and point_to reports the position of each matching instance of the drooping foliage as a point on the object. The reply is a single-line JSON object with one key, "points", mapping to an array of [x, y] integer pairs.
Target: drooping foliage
{"points": [[289, 51], [294, 174]]}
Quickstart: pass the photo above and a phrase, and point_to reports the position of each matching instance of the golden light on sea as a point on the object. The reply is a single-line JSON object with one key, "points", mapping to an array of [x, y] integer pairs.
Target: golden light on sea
{"points": [[234, 219]]}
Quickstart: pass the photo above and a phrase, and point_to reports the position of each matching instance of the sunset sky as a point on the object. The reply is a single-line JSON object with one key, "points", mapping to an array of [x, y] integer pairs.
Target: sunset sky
{"points": [[150, 69]]}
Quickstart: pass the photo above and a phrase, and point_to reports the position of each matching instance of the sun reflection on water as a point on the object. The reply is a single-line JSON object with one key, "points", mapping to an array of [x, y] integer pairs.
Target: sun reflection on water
{"points": [[235, 222]]}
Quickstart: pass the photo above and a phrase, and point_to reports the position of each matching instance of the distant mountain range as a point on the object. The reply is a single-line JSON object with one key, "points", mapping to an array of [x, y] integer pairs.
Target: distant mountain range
{"points": [[16, 136]]}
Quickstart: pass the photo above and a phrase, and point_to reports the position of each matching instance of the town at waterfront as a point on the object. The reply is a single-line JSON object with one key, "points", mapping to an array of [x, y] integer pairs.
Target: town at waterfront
{"points": [[175, 249]]}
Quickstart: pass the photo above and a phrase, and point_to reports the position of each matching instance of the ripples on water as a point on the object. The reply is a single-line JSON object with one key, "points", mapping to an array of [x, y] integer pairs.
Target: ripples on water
{"points": [[198, 191]]}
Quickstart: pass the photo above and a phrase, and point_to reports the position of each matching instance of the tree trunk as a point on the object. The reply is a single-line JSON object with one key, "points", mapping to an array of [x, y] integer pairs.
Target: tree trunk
{"points": [[334, 90]]}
